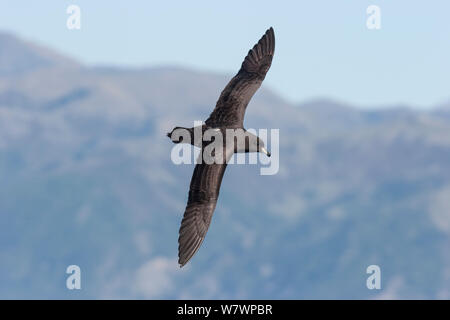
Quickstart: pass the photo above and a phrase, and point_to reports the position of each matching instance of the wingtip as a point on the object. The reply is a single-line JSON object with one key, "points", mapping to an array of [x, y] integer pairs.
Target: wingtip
{"points": [[181, 264], [271, 33], [181, 260]]}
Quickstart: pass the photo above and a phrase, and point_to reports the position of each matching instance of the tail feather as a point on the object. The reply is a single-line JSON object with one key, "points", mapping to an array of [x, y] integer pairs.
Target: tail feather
{"points": [[169, 134]]}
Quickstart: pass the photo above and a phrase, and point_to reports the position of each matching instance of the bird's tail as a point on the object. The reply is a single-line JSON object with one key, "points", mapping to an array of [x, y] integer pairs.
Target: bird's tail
{"points": [[176, 139]]}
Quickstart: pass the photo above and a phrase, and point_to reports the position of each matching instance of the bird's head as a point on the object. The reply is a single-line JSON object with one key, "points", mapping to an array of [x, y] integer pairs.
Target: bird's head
{"points": [[255, 144], [262, 147]]}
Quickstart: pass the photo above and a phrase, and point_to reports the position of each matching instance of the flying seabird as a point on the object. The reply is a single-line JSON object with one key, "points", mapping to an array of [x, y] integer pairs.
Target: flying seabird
{"points": [[228, 114]]}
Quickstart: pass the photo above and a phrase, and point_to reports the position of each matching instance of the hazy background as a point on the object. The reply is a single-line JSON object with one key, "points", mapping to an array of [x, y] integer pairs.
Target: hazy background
{"points": [[323, 47], [364, 119]]}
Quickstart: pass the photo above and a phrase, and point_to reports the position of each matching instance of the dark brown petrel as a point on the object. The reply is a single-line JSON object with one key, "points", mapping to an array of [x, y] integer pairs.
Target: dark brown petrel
{"points": [[228, 114]]}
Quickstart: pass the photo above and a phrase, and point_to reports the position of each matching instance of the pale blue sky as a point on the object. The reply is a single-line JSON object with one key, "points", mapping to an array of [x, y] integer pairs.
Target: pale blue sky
{"points": [[323, 46]]}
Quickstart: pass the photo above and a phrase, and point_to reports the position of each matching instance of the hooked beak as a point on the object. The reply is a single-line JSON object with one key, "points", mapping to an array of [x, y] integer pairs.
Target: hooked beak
{"points": [[264, 150]]}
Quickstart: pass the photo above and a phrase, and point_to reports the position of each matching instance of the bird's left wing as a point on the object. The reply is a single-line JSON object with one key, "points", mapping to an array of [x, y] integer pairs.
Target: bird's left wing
{"points": [[230, 108]]}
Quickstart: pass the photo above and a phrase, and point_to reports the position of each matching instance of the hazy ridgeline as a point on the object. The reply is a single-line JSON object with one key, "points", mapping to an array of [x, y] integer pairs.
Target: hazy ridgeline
{"points": [[86, 179]]}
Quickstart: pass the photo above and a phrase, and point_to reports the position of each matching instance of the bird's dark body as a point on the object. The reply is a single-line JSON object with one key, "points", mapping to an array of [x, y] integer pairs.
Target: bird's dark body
{"points": [[228, 114]]}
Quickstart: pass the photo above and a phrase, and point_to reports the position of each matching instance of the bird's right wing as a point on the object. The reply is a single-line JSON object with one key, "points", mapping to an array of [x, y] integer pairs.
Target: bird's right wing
{"points": [[203, 194], [230, 108]]}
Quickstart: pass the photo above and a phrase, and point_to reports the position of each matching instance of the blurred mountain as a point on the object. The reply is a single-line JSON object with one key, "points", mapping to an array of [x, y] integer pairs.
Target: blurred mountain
{"points": [[18, 56], [87, 179]]}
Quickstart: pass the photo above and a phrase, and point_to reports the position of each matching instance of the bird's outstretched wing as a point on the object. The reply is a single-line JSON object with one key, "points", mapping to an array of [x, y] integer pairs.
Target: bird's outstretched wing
{"points": [[203, 194], [233, 100]]}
